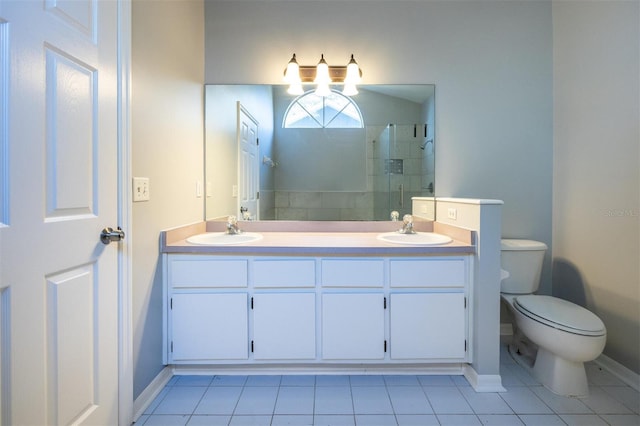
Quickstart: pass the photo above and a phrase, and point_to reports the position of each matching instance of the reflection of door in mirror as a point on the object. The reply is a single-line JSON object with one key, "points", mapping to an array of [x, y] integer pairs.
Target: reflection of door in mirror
{"points": [[248, 167]]}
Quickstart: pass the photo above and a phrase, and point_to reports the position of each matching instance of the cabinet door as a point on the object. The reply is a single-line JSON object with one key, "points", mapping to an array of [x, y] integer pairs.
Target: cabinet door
{"points": [[209, 326], [284, 326], [282, 273], [352, 272], [435, 272], [427, 326], [187, 271], [353, 326]]}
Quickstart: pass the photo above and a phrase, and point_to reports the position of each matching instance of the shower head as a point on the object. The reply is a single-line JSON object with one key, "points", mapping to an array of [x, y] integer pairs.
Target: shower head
{"points": [[425, 144]]}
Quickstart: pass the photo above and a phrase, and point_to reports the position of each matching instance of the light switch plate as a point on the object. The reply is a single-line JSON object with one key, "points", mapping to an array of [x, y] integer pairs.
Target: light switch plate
{"points": [[452, 213], [141, 189]]}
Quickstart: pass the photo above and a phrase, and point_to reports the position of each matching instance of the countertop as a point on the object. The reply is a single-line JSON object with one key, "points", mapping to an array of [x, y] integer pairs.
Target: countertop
{"points": [[321, 243]]}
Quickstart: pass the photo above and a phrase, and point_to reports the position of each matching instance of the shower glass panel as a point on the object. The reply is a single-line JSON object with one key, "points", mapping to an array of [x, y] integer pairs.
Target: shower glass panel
{"points": [[403, 168]]}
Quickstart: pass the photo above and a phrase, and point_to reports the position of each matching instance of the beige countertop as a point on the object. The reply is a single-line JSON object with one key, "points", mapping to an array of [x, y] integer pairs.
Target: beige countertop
{"points": [[313, 241]]}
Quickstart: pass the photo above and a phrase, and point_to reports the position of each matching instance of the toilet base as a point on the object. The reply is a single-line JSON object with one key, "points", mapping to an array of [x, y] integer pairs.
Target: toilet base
{"points": [[562, 377], [522, 348], [523, 357]]}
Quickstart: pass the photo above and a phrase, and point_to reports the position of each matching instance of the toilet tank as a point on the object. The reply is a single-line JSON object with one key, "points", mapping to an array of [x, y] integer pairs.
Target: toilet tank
{"points": [[522, 259]]}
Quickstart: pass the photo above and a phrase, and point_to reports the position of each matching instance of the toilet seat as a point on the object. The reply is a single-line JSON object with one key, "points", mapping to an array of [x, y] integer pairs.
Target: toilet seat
{"points": [[560, 314]]}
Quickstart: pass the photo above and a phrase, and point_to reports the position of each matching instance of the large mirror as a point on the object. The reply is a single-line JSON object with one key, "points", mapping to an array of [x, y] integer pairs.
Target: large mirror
{"points": [[331, 158]]}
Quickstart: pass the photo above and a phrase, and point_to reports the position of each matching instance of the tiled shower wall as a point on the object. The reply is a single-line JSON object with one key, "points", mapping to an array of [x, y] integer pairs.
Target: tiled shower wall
{"points": [[324, 205]]}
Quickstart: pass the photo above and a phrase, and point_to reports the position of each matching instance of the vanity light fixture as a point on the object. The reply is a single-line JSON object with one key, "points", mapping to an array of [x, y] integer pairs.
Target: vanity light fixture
{"points": [[322, 75]]}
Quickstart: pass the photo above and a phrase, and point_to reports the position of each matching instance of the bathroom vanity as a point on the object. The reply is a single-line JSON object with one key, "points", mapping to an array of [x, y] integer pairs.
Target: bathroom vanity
{"points": [[316, 309], [318, 301]]}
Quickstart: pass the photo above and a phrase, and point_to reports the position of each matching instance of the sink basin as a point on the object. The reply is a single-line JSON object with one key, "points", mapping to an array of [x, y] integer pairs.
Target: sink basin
{"points": [[223, 239], [418, 239]]}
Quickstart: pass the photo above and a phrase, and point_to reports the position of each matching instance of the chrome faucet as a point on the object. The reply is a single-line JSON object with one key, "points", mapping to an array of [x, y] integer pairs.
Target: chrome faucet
{"points": [[407, 225], [395, 216], [232, 226]]}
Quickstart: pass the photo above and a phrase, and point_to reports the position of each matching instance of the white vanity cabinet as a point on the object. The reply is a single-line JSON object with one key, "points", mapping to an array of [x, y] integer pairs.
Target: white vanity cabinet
{"points": [[428, 308], [283, 307], [353, 314], [310, 310], [207, 305]]}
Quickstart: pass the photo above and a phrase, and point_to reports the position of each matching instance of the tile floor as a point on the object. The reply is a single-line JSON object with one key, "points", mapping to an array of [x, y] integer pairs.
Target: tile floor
{"points": [[388, 400]]}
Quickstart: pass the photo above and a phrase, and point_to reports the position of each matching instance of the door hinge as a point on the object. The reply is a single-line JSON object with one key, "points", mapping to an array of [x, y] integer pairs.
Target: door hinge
{"points": [[252, 346], [257, 141], [172, 346], [258, 195], [171, 307], [252, 302], [465, 345], [425, 130], [415, 130], [385, 346], [465, 302], [385, 303]]}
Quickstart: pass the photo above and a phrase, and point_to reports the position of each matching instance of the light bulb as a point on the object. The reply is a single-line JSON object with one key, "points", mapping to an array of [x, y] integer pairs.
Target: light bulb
{"points": [[295, 89], [322, 72], [292, 73], [349, 90], [353, 72], [323, 90]]}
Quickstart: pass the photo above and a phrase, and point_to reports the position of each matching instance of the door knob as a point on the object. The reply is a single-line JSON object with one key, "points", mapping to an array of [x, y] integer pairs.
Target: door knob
{"points": [[108, 234]]}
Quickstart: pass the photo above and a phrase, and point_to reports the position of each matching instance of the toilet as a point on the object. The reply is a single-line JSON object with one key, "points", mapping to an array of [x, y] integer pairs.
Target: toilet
{"points": [[552, 337]]}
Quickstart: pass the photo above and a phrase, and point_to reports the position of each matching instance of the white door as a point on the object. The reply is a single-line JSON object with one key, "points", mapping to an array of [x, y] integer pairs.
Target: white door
{"points": [[60, 282], [248, 165], [284, 326]]}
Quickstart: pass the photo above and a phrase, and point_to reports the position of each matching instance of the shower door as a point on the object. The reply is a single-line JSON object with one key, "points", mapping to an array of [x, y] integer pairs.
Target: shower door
{"points": [[403, 168]]}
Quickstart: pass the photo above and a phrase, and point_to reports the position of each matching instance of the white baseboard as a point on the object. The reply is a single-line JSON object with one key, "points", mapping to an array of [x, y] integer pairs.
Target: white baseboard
{"points": [[319, 369], [483, 382], [150, 392], [619, 370]]}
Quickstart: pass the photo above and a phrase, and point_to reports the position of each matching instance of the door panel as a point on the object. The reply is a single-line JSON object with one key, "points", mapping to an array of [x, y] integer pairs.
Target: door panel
{"points": [[71, 320], [71, 114]]}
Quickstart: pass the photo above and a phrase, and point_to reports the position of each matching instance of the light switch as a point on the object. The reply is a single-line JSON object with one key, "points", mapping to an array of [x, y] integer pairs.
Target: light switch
{"points": [[141, 189]]}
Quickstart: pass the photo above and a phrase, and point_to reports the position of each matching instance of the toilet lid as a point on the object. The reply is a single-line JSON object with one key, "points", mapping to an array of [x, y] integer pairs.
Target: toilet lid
{"points": [[561, 314], [507, 244]]}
